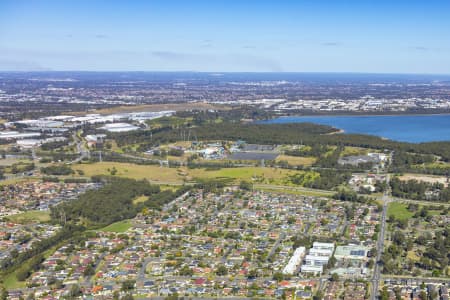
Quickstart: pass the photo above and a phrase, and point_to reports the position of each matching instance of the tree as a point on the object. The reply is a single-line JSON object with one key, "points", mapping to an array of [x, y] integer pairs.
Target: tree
{"points": [[89, 271], [128, 285], [173, 296], [252, 274], [22, 274], [116, 295], [318, 296], [384, 294], [221, 270], [4, 294], [331, 262], [278, 276], [30, 296], [334, 277], [113, 171], [75, 290], [186, 271], [423, 295], [245, 185]]}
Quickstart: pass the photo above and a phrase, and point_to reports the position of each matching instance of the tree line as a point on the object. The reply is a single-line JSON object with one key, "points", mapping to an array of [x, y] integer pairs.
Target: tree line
{"points": [[293, 133], [419, 190]]}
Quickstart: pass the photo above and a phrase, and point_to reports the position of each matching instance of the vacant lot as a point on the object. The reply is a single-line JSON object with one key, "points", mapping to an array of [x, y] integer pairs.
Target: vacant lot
{"points": [[399, 211], [151, 173], [165, 175], [262, 175], [158, 107], [16, 180], [349, 151], [297, 160], [10, 160], [140, 199], [293, 190], [425, 178]]}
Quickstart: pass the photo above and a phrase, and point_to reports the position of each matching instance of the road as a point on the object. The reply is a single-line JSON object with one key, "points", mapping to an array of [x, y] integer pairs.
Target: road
{"points": [[417, 280], [380, 246], [81, 149]]}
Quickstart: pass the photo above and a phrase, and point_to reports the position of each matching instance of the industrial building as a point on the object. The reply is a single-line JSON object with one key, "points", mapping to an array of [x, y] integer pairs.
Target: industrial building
{"points": [[119, 127]]}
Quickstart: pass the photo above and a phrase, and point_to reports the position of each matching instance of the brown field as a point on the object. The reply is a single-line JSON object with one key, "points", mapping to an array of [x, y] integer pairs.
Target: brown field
{"points": [[425, 178], [164, 175], [297, 160], [9, 161], [155, 107]]}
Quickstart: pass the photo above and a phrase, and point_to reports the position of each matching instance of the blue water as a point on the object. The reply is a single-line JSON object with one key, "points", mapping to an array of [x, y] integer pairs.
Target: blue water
{"points": [[405, 128]]}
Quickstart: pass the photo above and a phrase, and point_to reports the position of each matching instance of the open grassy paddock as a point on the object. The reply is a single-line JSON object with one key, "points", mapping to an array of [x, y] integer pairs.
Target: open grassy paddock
{"points": [[150, 172], [9, 161], [293, 191], [399, 211], [297, 160], [31, 216], [165, 175], [425, 178], [16, 180], [140, 199], [348, 151], [156, 107], [118, 227]]}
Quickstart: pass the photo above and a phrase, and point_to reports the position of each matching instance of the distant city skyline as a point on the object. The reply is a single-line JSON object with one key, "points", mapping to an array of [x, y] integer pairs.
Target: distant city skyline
{"points": [[226, 36]]}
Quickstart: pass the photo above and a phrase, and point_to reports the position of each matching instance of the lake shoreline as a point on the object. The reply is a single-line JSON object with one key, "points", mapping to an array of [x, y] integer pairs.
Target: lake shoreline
{"points": [[360, 115], [402, 128]]}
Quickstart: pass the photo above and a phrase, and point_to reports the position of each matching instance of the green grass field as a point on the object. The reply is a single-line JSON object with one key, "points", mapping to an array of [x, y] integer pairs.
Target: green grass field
{"points": [[399, 211], [118, 227], [262, 175], [10, 282], [348, 151], [31, 216]]}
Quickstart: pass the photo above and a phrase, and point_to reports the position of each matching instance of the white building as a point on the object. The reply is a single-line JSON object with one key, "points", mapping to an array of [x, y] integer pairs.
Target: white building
{"points": [[312, 260], [323, 246], [321, 252], [295, 261], [318, 256], [351, 252], [29, 143], [93, 139], [8, 135], [119, 127], [380, 156], [312, 269]]}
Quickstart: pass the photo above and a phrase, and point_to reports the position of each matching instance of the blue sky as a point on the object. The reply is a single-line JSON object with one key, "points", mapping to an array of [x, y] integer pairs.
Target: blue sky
{"points": [[293, 36]]}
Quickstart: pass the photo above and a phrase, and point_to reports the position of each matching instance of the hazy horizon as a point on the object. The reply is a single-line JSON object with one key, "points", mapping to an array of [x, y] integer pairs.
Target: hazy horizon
{"points": [[401, 37]]}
